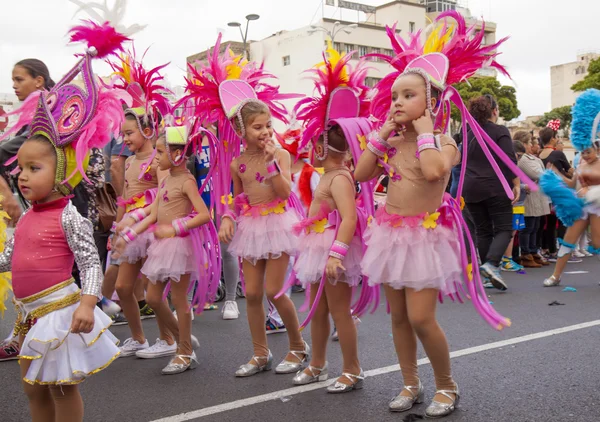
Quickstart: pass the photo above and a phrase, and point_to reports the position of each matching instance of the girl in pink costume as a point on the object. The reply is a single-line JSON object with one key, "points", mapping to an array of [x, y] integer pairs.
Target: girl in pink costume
{"points": [[263, 237], [63, 334], [331, 245], [183, 251], [140, 131], [415, 244]]}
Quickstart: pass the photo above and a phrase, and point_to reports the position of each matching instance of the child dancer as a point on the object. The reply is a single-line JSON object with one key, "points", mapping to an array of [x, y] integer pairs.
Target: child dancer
{"points": [[140, 131], [261, 185], [177, 255], [63, 334], [414, 244], [575, 212], [331, 248]]}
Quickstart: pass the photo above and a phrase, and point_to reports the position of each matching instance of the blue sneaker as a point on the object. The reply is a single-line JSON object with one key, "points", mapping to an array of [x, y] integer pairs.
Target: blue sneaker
{"points": [[493, 273], [509, 265]]}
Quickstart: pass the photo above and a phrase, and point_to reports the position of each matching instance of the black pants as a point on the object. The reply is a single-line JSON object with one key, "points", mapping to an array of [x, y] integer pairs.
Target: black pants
{"points": [[528, 236], [493, 227], [550, 228]]}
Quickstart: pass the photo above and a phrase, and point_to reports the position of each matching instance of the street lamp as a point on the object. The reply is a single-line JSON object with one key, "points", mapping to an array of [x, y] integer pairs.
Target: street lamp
{"points": [[337, 27], [250, 17]]}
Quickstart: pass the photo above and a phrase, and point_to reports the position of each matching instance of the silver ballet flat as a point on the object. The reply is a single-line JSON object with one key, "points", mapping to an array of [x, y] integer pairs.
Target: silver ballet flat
{"points": [[340, 387], [403, 403], [302, 378], [439, 410], [178, 365], [250, 369], [287, 367]]}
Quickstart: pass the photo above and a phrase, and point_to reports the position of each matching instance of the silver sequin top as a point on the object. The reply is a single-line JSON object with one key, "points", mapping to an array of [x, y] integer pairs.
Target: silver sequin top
{"points": [[80, 238]]}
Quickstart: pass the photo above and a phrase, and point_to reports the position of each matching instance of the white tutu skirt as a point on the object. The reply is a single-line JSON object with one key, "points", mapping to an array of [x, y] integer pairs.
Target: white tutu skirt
{"points": [[170, 258], [61, 358], [590, 209], [314, 253], [414, 257], [138, 249], [265, 236]]}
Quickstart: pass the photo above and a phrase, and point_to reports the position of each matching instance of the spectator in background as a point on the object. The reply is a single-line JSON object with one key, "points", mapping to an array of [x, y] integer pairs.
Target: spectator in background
{"points": [[536, 206], [484, 195]]}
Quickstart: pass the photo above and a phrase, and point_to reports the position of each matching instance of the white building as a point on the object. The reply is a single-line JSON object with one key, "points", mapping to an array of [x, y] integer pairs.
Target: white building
{"points": [[8, 103], [563, 76], [287, 54]]}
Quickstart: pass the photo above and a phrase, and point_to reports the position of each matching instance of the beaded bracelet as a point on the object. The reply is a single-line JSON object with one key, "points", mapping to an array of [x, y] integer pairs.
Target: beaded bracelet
{"points": [[338, 250], [272, 169], [129, 235], [180, 226], [378, 146]]}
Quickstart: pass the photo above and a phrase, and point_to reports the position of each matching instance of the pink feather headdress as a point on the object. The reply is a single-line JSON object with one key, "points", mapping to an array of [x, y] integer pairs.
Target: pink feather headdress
{"points": [[73, 118], [150, 103], [340, 92], [216, 92]]}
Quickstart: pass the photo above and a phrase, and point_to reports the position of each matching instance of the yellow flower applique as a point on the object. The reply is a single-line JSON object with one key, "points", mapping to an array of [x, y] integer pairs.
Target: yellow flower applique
{"points": [[319, 225], [362, 142], [369, 221], [430, 220], [462, 203], [229, 199]]}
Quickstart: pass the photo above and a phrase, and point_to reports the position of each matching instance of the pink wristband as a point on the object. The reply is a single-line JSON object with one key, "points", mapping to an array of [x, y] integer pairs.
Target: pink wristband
{"points": [[129, 235], [138, 215], [338, 250], [180, 226], [272, 169], [228, 214]]}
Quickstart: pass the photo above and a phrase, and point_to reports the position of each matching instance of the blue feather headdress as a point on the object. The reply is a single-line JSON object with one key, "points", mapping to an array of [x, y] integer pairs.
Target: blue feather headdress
{"points": [[586, 117]]}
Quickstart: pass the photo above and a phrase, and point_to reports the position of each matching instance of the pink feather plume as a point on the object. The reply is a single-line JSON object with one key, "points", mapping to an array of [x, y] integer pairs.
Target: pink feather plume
{"points": [[104, 38]]}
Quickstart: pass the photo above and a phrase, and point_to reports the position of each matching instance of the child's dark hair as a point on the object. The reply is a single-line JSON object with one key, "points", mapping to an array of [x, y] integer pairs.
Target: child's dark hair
{"points": [[41, 139], [482, 108], [37, 68], [249, 111], [336, 138], [188, 153], [145, 121], [546, 135]]}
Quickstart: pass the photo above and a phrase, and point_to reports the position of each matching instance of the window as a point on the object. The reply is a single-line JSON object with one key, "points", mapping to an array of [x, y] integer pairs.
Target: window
{"points": [[411, 27], [362, 50], [371, 82], [389, 52], [286, 60], [375, 51], [349, 48], [337, 46]]}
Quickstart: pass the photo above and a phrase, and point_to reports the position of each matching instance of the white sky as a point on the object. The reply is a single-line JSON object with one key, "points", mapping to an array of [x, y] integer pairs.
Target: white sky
{"points": [[543, 33]]}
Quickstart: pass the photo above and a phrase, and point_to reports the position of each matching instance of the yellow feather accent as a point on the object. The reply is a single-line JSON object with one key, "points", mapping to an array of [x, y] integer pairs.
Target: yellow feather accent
{"points": [[234, 70], [438, 38], [334, 57], [71, 164], [126, 73]]}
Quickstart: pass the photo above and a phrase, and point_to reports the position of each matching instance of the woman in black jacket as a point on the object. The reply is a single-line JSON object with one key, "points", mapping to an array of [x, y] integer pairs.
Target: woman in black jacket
{"points": [[484, 195]]}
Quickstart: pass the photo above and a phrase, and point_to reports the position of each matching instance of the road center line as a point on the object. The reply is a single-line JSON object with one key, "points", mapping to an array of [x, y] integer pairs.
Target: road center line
{"points": [[224, 407]]}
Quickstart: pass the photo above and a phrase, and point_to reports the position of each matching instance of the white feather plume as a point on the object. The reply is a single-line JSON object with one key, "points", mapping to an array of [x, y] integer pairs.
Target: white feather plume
{"points": [[102, 13]]}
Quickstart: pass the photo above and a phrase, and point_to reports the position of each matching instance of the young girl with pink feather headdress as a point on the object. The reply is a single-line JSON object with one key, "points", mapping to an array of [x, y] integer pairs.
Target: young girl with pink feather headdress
{"points": [[233, 93], [63, 334], [140, 130], [415, 243], [185, 248], [331, 244]]}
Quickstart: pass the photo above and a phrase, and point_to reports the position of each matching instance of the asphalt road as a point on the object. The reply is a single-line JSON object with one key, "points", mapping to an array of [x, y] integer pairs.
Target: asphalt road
{"points": [[543, 368]]}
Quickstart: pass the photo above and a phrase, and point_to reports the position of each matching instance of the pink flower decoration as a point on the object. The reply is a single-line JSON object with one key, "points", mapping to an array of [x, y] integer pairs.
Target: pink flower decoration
{"points": [[165, 197], [127, 166], [147, 177], [242, 168], [392, 152], [396, 178], [259, 177]]}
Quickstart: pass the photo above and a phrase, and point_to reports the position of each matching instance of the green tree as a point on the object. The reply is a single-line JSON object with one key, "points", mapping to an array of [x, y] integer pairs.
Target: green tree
{"points": [[562, 113], [591, 80], [478, 86]]}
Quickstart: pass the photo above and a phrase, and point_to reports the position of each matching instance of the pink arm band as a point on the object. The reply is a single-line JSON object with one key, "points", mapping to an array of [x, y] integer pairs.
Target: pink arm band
{"points": [[338, 250], [129, 235], [180, 226], [138, 215], [272, 169]]}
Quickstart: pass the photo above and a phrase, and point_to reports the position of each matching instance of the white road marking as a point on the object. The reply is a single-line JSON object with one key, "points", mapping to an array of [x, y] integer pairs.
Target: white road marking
{"points": [[577, 272], [225, 407]]}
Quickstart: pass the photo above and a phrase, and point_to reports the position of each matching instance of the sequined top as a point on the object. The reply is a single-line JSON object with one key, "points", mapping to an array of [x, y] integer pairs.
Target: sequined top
{"points": [[172, 202], [323, 191], [48, 239], [252, 171], [133, 166], [411, 194]]}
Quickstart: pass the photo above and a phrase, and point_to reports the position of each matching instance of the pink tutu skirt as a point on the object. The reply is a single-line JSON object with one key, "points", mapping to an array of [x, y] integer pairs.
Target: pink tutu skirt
{"points": [[418, 253], [138, 249], [170, 258], [314, 252], [265, 236]]}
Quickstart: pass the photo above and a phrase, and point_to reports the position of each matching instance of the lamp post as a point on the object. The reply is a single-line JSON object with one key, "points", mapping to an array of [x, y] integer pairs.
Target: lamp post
{"points": [[251, 17], [337, 27]]}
